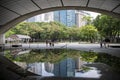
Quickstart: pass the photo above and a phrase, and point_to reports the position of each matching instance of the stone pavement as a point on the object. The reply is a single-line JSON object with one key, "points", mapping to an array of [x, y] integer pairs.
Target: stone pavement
{"points": [[84, 47], [96, 48]]}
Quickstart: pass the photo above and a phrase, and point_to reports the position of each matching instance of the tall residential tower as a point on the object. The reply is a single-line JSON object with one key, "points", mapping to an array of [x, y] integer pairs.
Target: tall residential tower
{"points": [[67, 17], [46, 17]]}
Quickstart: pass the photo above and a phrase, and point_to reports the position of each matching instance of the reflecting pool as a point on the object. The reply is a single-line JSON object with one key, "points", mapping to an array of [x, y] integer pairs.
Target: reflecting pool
{"points": [[66, 63]]}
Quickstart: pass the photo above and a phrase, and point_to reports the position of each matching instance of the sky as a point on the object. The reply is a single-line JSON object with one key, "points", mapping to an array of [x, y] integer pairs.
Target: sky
{"points": [[93, 14]]}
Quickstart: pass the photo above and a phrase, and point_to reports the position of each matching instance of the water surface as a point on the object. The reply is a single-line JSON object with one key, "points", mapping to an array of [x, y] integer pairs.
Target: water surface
{"points": [[66, 63]]}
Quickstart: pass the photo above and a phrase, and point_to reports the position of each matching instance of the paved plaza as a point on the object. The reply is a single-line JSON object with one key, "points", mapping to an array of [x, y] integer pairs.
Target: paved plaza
{"points": [[76, 46]]}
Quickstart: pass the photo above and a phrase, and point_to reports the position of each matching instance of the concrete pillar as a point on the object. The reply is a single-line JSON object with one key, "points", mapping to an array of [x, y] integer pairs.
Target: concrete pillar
{"points": [[2, 39]]}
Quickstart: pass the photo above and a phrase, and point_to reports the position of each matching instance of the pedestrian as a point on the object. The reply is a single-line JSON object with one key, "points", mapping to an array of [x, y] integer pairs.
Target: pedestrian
{"points": [[46, 42], [101, 43], [107, 40], [53, 42], [104, 43], [50, 43]]}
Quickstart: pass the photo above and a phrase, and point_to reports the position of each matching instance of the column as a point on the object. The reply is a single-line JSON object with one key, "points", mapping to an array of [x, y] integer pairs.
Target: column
{"points": [[2, 39]]}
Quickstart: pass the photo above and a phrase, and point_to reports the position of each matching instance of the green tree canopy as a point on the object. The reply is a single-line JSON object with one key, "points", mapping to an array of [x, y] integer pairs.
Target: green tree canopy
{"points": [[54, 30], [89, 32], [107, 26]]}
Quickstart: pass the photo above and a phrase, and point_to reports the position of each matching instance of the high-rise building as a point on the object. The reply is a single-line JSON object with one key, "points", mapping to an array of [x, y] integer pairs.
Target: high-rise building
{"points": [[67, 17], [46, 17], [70, 17], [49, 67], [35, 68], [61, 69], [80, 21], [32, 19]]}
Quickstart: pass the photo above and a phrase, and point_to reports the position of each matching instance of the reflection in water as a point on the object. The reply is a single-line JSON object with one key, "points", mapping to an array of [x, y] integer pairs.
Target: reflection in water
{"points": [[67, 67], [36, 68], [70, 63], [49, 67], [92, 73]]}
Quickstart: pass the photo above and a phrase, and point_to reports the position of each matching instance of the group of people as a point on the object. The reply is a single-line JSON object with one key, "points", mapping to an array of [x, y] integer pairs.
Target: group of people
{"points": [[50, 43], [105, 43]]}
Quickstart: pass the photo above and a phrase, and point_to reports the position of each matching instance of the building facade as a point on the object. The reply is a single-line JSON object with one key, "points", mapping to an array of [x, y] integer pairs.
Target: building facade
{"points": [[66, 17], [61, 69], [46, 17]]}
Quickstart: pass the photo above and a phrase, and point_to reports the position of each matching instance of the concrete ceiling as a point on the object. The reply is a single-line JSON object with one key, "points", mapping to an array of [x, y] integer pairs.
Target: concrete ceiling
{"points": [[15, 11]]}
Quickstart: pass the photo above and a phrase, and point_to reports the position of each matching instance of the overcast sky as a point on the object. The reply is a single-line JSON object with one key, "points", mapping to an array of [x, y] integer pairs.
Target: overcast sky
{"points": [[93, 14]]}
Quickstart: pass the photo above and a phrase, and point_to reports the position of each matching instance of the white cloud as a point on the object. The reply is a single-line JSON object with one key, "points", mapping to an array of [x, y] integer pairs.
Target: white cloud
{"points": [[93, 14]]}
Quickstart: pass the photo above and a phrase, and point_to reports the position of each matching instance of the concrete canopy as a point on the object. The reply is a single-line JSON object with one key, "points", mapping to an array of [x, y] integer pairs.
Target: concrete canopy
{"points": [[14, 11]]}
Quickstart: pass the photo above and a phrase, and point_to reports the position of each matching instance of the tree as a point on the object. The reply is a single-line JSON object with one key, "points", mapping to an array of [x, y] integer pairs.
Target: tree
{"points": [[89, 33], [53, 30], [88, 19], [107, 26]]}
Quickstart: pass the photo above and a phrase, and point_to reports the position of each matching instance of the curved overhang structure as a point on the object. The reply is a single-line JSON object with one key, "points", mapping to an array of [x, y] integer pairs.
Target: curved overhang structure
{"points": [[15, 11]]}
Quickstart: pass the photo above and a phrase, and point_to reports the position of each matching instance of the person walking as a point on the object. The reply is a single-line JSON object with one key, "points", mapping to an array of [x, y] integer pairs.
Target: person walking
{"points": [[107, 40], [46, 42], [104, 43], [101, 43], [50, 43]]}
